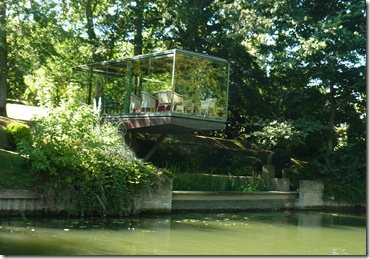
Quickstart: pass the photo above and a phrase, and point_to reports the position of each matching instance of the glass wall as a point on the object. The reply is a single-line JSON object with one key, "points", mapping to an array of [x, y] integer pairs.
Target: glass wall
{"points": [[204, 84], [177, 82]]}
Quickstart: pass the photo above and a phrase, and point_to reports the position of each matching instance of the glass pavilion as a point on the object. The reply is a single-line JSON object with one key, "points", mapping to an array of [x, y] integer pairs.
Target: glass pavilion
{"points": [[174, 91]]}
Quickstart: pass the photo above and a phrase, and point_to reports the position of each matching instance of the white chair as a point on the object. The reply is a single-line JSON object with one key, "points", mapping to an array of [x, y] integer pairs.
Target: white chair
{"points": [[208, 105], [203, 107], [189, 106], [135, 103], [178, 102], [148, 102], [212, 106], [165, 101], [179, 108]]}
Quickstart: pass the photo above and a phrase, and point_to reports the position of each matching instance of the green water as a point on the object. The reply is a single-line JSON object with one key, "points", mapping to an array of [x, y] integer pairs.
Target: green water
{"points": [[252, 233]]}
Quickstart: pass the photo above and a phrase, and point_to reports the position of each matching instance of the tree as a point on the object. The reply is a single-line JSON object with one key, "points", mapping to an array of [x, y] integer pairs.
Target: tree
{"points": [[312, 52], [3, 58]]}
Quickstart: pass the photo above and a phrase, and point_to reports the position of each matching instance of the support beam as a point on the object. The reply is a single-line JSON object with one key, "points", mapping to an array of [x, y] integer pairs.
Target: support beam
{"points": [[133, 140], [155, 147]]}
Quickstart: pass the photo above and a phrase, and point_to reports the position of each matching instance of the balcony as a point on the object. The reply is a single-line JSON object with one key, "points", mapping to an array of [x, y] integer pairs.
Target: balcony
{"points": [[174, 91]]}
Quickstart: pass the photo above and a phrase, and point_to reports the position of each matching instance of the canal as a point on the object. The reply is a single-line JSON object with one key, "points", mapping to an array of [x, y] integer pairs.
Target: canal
{"points": [[241, 233]]}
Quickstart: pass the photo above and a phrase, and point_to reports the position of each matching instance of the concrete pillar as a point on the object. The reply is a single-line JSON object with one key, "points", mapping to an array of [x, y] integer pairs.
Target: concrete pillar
{"points": [[268, 171], [157, 199], [310, 195]]}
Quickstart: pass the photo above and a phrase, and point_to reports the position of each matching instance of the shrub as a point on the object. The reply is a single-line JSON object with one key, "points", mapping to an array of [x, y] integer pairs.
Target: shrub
{"points": [[83, 166], [343, 172], [16, 132]]}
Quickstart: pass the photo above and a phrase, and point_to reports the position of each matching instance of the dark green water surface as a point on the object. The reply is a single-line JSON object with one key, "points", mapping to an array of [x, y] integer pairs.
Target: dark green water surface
{"points": [[242, 233]]}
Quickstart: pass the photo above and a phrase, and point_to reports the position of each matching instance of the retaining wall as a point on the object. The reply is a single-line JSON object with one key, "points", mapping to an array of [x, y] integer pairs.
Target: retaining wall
{"points": [[15, 201], [24, 201], [271, 200], [163, 199]]}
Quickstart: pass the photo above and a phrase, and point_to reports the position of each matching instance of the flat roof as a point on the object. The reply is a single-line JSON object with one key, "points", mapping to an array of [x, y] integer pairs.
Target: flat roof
{"points": [[151, 55]]}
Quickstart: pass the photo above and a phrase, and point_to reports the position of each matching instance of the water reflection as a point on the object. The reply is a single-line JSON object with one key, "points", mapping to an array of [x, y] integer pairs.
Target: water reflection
{"points": [[267, 233]]}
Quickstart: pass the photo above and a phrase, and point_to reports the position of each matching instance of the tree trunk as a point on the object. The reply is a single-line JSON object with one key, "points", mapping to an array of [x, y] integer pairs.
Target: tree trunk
{"points": [[332, 117], [138, 27], [89, 12], [192, 26], [3, 60]]}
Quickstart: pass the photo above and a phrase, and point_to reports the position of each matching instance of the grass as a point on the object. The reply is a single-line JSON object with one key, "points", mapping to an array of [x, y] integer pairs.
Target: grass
{"points": [[14, 171], [211, 182]]}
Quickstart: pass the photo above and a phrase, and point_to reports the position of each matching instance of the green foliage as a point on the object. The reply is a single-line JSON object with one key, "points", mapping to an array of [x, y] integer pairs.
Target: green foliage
{"points": [[282, 133], [274, 134], [314, 134], [185, 158], [343, 172], [83, 166], [15, 171], [303, 137], [17, 132], [209, 182]]}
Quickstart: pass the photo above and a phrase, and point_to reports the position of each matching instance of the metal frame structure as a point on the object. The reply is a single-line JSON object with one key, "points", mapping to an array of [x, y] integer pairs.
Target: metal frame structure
{"points": [[190, 79]]}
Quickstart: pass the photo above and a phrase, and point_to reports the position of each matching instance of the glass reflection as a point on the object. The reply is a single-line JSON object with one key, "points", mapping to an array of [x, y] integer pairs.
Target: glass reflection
{"points": [[176, 81]]}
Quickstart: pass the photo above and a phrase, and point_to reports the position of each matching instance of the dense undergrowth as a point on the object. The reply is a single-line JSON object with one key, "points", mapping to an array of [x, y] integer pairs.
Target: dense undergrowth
{"points": [[76, 163]]}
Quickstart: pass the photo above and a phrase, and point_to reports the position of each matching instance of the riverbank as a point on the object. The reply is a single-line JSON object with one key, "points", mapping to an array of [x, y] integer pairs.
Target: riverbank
{"points": [[164, 200]]}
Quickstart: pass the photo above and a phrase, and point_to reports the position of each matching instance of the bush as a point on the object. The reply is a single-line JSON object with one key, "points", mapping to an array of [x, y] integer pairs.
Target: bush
{"points": [[343, 172], [16, 132], [82, 166]]}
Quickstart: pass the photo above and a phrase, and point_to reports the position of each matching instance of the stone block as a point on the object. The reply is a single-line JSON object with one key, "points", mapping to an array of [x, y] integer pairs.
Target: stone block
{"points": [[310, 195]]}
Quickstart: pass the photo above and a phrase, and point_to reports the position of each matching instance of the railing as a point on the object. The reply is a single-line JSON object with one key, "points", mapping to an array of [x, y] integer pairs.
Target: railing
{"points": [[167, 101]]}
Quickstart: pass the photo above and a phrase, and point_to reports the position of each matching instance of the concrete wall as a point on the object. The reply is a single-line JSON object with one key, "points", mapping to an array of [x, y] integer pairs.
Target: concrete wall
{"points": [[161, 198], [23, 112], [279, 184], [193, 200], [15, 201], [157, 199]]}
